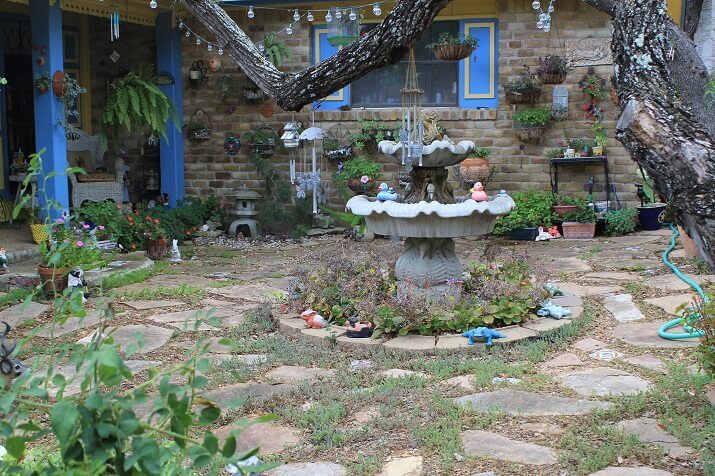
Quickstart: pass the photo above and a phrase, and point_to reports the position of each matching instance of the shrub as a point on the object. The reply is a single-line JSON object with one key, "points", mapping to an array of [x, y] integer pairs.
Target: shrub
{"points": [[621, 222], [533, 117], [585, 214], [533, 208]]}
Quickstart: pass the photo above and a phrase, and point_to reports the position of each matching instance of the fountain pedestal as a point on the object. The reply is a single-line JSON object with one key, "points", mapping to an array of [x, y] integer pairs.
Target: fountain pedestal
{"points": [[429, 267]]}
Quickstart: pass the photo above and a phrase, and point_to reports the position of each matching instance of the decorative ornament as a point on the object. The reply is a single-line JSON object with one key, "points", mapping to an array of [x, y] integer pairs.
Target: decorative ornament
{"points": [[187, 34], [338, 14], [250, 13], [232, 145], [328, 17], [296, 15], [210, 47], [220, 50], [289, 29], [310, 16], [544, 22], [376, 10], [353, 15], [214, 64], [198, 41], [152, 4]]}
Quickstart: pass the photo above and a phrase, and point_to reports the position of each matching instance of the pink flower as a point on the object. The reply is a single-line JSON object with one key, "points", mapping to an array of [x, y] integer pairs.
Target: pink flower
{"points": [[80, 243], [85, 226], [364, 179], [65, 240], [101, 227], [60, 221]]}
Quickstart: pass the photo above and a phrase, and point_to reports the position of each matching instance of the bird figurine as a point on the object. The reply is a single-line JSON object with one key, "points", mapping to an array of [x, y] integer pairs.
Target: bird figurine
{"points": [[386, 193], [478, 193]]}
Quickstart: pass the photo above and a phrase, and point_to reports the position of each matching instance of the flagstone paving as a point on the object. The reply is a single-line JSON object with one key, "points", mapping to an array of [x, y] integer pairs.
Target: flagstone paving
{"points": [[649, 432], [563, 360], [645, 334], [647, 361], [308, 469], [671, 303], [73, 324], [20, 313], [622, 308], [270, 437], [631, 471], [294, 373], [148, 305], [670, 282], [603, 381], [408, 466], [129, 337], [495, 446], [518, 402]]}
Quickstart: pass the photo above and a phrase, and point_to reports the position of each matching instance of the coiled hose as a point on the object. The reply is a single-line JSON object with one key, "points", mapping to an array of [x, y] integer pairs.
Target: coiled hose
{"points": [[691, 332]]}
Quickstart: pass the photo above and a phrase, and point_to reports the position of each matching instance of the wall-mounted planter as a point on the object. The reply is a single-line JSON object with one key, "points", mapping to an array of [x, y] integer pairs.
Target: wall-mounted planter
{"points": [[522, 96], [58, 83], [529, 134]]}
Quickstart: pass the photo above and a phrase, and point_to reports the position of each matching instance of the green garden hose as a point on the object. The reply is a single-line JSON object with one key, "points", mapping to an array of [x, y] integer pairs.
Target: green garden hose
{"points": [[691, 332]]}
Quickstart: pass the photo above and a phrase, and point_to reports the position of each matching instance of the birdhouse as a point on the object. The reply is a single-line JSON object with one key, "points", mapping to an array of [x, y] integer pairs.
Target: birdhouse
{"points": [[291, 135]]}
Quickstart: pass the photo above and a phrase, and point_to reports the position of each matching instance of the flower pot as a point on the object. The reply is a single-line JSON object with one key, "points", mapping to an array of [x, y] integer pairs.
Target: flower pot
{"points": [[562, 210], [523, 234], [449, 52], [53, 280], [597, 151], [576, 230], [515, 96], [474, 168], [39, 234], [688, 243], [530, 134], [358, 187], [652, 216], [552, 78], [58, 83], [157, 249]]}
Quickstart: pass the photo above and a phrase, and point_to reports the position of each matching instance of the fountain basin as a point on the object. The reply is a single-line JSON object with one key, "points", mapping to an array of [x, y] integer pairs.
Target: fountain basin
{"points": [[440, 153], [430, 219]]}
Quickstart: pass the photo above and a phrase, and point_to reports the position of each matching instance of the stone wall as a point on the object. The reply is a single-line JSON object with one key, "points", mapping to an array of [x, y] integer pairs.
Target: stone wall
{"points": [[523, 166], [705, 36]]}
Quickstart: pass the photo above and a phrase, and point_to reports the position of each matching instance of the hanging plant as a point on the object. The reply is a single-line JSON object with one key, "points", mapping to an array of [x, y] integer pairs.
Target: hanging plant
{"points": [[530, 124], [135, 102], [275, 50], [449, 47], [523, 88], [43, 82], [199, 127], [553, 69], [262, 141], [593, 85], [228, 89]]}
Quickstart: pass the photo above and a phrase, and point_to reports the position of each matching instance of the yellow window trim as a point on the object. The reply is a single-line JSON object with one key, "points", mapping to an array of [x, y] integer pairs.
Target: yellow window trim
{"points": [[467, 78]]}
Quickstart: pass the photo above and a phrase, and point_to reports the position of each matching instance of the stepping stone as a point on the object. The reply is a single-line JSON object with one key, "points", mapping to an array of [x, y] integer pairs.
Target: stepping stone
{"points": [[230, 393], [294, 374], [630, 471], [463, 382], [544, 428], [514, 334], [581, 290], [451, 342], [269, 437], [634, 239], [649, 432], [611, 276], [408, 466], [678, 254], [622, 308], [211, 302], [332, 332], [186, 320], [348, 342], [649, 362], [545, 324], [251, 359], [401, 373], [73, 324], [603, 381], [213, 345], [250, 292], [670, 282], [670, 303], [146, 305], [519, 402], [308, 469], [20, 313], [567, 301], [564, 360], [291, 325], [645, 334], [659, 232], [492, 445], [589, 345], [166, 281], [571, 265], [152, 337], [424, 344]]}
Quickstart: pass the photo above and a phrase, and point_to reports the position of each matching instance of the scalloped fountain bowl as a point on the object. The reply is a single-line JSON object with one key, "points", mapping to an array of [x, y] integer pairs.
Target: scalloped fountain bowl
{"points": [[440, 153]]}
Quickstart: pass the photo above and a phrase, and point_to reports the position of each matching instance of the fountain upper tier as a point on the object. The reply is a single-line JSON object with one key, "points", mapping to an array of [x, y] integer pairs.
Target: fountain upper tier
{"points": [[440, 153]]}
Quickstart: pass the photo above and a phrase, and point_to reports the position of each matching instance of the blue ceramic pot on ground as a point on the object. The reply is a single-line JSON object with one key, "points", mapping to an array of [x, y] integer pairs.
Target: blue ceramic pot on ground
{"points": [[652, 216]]}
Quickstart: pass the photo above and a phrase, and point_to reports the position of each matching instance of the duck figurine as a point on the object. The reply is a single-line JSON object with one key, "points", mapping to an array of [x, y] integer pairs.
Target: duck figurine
{"points": [[386, 193], [478, 193]]}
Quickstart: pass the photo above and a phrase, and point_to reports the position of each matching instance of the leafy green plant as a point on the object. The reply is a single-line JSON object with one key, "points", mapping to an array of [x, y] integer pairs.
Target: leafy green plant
{"points": [[524, 82], [701, 317], [621, 222], [228, 89], [447, 38], [585, 214], [555, 152], [533, 208], [43, 82], [479, 153], [600, 138], [388, 322], [509, 311], [593, 86], [371, 133], [648, 187], [275, 50], [533, 117], [563, 199], [357, 167], [135, 102]]}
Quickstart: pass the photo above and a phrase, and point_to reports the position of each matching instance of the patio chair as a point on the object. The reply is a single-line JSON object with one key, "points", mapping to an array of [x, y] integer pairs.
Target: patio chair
{"points": [[94, 187]]}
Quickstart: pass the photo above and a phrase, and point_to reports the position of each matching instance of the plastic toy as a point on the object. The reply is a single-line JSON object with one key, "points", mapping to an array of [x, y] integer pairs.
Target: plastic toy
{"points": [[10, 367], [549, 309], [483, 332], [75, 280], [478, 193], [175, 253], [312, 319], [386, 194], [3, 261], [358, 329]]}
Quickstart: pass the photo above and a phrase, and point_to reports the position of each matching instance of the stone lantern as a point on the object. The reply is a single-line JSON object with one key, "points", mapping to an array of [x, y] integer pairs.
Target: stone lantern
{"points": [[245, 210]]}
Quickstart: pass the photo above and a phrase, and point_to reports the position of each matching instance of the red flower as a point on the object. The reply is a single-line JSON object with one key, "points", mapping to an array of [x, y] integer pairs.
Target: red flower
{"points": [[156, 220], [134, 246], [148, 218]]}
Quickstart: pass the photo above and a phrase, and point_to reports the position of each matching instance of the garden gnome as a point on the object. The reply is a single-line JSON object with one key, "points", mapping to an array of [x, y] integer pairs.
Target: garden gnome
{"points": [[175, 253], [75, 280], [312, 319], [3, 261], [478, 193], [386, 193]]}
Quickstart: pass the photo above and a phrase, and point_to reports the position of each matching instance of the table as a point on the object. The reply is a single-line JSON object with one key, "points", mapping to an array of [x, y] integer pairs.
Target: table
{"points": [[19, 178], [554, 170]]}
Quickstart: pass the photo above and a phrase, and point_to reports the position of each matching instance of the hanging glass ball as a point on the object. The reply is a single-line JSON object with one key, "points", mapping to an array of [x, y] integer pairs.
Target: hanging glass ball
{"points": [[187, 34], [539, 24], [353, 15], [547, 27], [220, 50], [328, 17], [289, 29], [250, 13], [338, 14], [310, 16], [536, 4], [543, 17], [210, 47], [198, 41], [376, 10], [550, 9], [181, 25], [296, 15], [152, 4]]}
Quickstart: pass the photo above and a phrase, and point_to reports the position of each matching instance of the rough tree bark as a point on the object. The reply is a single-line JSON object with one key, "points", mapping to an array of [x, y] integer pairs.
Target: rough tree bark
{"points": [[692, 16]]}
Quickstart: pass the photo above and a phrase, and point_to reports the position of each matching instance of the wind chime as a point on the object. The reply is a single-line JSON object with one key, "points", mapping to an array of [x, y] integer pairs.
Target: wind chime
{"points": [[311, 180], [412, 132], [113, 26]]}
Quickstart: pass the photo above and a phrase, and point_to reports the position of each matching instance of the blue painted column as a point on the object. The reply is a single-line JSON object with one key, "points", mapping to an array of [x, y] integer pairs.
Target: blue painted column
{"points": [[168, 60], [46, 24]]}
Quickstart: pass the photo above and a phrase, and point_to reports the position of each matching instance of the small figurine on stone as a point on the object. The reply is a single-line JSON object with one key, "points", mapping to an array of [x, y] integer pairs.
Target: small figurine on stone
{"points": [[478, 193], [549, 309], [3, 260], [357, 329], [75, 280], [482, 332], [554, 232], [175, 253], [312, 319], [386, 193]]}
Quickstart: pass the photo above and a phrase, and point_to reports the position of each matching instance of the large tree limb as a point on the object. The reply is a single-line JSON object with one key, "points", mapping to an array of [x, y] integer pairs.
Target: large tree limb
{"points": [[386, 44], [692, 11]]}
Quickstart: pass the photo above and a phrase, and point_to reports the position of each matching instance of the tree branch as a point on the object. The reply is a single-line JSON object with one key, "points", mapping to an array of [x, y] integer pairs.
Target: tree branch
{"points": [[606, 6]]}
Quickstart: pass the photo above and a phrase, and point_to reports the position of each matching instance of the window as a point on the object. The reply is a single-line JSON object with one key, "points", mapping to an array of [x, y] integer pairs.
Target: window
{"points": [[438, 79]]}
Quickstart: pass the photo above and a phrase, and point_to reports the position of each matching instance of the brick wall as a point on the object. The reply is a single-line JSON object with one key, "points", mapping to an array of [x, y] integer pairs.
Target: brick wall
{"points": [[704, 36], [523, 166]]}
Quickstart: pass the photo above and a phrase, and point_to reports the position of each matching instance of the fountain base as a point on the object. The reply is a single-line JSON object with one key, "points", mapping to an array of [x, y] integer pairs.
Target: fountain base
{"points": [[429, 267], [420, 180]]}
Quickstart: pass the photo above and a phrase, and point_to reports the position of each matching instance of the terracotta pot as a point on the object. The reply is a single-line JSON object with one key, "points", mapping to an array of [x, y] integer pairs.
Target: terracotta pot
{"points": [[157, 249], [53, 280], [449, 52], [474, 167], [552, 78], [58, 83], [576, 230], [358, 187], [562, 210]]}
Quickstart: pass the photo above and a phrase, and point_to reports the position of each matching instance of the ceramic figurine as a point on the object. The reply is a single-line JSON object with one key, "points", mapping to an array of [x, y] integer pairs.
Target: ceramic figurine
{"points": [[175, 253], [312, 319], [358, 329], [484, 332], [543, 235], [386, 194], [75, 280], [3, 261], [549, 309], [554, 232], [11, 367], [478, 193]]}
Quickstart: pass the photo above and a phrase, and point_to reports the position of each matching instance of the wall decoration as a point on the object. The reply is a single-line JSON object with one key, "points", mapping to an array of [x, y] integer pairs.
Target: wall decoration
{"points": [[199, 127], [589, 51], [197, 74], [232, 145]]}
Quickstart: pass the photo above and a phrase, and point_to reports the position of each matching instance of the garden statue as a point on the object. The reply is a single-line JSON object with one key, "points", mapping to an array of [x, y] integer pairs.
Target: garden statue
{"points": [[478, 194], [549, 309], [10, 367], [357, 329], [3, 261], [554, 232], [386, 194], [75, 280], [483, 332], [175, 253], [312, 319]]}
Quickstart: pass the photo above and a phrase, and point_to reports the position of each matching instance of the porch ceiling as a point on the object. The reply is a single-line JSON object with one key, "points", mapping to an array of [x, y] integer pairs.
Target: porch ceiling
{"points": [[131, 11]]}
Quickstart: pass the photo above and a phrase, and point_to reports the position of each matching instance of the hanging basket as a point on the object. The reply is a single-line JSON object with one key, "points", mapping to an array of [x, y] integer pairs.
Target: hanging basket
{"points": [[254, 95], [265, 147], [552, 78], [358, 187], [449, 52], [199, 128], [518, 96], [529, 134]]}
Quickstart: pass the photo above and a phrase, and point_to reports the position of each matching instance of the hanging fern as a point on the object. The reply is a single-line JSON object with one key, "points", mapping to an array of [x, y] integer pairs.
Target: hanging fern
{"points": [[135, 102], [275, 50]]}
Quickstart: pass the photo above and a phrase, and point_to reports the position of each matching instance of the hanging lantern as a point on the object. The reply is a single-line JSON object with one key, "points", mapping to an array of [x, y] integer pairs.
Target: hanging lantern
{"points": [[291, 135]]}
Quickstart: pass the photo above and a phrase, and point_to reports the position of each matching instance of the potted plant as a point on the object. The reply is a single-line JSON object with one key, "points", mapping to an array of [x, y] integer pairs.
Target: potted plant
{"points": [[262, 141], [476, 164], [580, 224], [370, 134], [157, 245], [227, 89], [621, 222], [359, 172], [563, 204], [523, 88], [555, 153], [39, 234], [553, 69], [449, 47], [533, 209], [600, 138], [43, 82], [559, 113], [275, 50], [651, 213], [529, 124]]}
